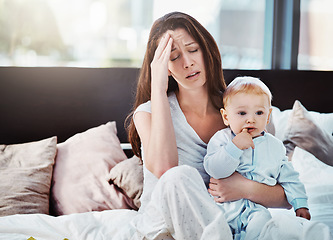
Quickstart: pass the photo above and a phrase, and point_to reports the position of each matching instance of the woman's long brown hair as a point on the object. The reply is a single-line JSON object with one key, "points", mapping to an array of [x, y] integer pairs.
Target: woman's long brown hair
{"points": [[212, 58]]}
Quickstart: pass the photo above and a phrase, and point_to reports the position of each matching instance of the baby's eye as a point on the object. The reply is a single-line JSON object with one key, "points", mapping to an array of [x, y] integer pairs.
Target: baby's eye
{"points": [[242, 113], [260, 113]]}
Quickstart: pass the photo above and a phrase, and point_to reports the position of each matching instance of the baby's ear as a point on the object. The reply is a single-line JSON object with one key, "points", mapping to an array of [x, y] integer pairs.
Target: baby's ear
{"points": [[224, 116], [269, 115]]}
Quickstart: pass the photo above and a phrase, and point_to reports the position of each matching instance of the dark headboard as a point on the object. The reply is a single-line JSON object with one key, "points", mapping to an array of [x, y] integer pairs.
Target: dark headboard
{"points": [[36, 103], [312, 88]]}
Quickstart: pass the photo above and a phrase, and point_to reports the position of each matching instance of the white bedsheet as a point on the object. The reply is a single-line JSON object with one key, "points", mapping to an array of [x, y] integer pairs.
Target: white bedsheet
{"points": [[284, 226], [103, 225], [83, 226]]}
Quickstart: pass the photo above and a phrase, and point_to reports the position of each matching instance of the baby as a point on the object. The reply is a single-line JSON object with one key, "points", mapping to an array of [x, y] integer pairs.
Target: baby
{"points": [[245, 147]]}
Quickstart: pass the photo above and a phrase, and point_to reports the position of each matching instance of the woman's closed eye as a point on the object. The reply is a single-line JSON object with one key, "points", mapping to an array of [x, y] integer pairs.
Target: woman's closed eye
{"points": [[174, 58], [193, 51]]}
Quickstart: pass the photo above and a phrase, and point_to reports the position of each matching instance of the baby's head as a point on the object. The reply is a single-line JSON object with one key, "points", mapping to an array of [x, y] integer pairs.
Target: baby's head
{"points": [[250, 85], [247, 105]]}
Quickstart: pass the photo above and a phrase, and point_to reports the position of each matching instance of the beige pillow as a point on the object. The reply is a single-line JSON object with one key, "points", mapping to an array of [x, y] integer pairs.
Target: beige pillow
{"points": [[304, 133], [25, 176], [83, 163], [128, 176]]}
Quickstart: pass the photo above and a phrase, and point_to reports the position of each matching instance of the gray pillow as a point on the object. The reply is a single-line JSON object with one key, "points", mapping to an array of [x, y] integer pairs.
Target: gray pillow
{"points": [[25, 176], [128, 176], [304, 133]]}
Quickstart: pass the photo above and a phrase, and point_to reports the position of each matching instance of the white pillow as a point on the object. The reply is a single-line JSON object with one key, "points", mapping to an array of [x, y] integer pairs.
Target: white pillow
{"points": [[312, 171], [324, 120], [280, 120], [318, 182]]}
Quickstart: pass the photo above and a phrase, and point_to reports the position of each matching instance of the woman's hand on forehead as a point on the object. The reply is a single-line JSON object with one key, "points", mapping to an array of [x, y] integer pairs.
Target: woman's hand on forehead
{"points": [[159, 65], [164, 44]]}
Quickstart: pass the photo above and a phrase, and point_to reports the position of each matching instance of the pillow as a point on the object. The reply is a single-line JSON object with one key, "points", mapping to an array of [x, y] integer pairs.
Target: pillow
{"points": [[25, 176], [318, 182], [270, 126], [303, 132], [311, 170], [279, 120], [83, 163], [128, 176]]}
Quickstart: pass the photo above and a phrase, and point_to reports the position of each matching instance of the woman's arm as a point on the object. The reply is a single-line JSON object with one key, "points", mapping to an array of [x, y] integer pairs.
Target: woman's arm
{"points": [[237, 187], [156, 129]]}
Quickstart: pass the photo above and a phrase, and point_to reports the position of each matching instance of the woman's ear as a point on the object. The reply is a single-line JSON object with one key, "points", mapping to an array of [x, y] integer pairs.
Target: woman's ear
{"points": [[224, 116]]}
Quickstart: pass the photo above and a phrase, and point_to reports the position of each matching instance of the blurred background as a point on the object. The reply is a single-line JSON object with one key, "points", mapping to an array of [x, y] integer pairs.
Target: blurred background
{"points": [[113, 33]]}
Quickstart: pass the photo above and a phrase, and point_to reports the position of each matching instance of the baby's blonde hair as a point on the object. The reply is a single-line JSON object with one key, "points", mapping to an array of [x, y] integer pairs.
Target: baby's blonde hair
{"points": [[246, 84]]}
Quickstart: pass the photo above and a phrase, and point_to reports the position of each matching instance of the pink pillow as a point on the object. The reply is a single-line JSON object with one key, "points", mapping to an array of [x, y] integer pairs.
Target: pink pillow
{"points": [[82, 165]]}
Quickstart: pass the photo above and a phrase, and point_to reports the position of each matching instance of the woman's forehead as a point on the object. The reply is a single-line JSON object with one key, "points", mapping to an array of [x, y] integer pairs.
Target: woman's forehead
{"points": [[181, 36]]}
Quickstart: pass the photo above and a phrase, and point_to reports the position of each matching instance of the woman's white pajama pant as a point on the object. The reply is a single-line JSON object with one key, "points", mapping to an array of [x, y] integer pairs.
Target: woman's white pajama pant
{"points": [[180, 208]]}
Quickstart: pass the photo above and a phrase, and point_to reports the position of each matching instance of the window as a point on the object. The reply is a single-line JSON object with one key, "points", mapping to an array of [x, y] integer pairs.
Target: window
{"points": [[237, 26], [316, 35], [104, 33], [85, 33]]}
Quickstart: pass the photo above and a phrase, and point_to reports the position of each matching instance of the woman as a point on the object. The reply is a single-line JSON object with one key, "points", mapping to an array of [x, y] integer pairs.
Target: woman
{"points": [[179, 95]]}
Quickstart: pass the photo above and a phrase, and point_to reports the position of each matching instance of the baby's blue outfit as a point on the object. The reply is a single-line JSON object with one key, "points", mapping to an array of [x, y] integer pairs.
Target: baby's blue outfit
{"points": [[266, 163]]}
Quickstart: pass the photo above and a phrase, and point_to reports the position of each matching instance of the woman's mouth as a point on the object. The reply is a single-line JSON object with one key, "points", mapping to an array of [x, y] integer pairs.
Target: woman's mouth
{"points": [[193, 75]]}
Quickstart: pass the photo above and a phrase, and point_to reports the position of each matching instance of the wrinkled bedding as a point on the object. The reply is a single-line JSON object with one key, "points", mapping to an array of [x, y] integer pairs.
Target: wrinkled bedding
{"points": [[81, 226], [104, 225]]}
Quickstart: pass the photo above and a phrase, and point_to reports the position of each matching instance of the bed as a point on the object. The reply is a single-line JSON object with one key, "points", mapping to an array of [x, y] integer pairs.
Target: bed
{"points": [[66, 167]]}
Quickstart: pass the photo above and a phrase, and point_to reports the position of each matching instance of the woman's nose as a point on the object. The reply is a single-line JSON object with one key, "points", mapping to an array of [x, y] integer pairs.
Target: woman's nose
{"points": [[187, 61]]}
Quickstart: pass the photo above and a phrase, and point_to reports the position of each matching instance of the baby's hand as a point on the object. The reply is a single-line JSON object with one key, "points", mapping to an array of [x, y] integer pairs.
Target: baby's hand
{"points": [[243, 140], [304, 213]]}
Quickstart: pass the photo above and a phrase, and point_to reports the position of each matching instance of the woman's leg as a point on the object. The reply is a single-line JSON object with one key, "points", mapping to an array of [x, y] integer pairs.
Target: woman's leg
{"points": [[181, 206]]}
